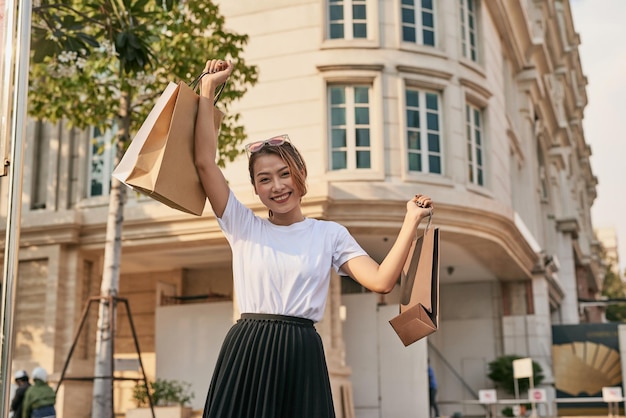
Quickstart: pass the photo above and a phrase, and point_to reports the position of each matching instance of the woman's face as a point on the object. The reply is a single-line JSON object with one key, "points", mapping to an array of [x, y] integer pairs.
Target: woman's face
{"points": [[274, 185]]}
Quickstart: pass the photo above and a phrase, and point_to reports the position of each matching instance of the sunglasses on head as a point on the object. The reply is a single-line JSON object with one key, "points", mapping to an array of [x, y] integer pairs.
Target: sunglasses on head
{"points": [[276, 141]]}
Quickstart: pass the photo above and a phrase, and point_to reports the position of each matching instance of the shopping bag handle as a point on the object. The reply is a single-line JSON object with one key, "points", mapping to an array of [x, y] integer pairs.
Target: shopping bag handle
{"points": [[196, 81], [430, 220]]}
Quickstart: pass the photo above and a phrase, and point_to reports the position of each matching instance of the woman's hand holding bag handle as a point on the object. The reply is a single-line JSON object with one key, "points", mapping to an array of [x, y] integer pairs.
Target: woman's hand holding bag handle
{"points": [[213, 79], [208, 122], [212, 82], [419, 304]]}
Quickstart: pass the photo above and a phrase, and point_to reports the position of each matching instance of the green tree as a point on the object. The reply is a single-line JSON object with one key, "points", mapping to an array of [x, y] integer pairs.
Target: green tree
{"points": [[613, 288], [103, 63], [501, 373]]}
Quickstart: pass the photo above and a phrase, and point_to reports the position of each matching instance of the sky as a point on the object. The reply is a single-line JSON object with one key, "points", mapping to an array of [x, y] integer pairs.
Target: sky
{"points": [[600, 24]]}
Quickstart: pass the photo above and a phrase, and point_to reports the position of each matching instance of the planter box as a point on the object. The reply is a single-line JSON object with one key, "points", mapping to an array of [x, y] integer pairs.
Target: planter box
{"points": [[175, 411]]}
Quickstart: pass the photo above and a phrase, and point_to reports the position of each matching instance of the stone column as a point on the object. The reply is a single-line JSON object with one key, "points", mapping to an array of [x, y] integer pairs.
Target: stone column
{"points": [[330, 328]]}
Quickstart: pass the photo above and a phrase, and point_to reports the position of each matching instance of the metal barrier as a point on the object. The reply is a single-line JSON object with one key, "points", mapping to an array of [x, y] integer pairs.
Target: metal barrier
{"points": [[491, 410], [613, 406]]}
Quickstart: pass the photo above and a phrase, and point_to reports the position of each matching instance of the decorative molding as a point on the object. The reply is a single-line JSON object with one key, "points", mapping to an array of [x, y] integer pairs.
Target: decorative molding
{"points": [[350, 67], [515, 144], [491, 237], [475, 87], [568, 226], [430, 72]]}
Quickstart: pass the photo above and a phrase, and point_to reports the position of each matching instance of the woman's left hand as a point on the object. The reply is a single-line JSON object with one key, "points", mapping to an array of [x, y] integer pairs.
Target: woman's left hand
{"points": [[421, 205]]}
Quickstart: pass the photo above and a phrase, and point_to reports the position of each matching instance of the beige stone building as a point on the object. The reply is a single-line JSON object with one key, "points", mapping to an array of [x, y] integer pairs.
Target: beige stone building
{"points": [[476, 103], [607, 236]]}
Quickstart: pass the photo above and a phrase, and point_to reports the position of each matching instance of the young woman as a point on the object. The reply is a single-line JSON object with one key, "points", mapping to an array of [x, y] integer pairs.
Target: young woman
{"points": [[272, 361]]}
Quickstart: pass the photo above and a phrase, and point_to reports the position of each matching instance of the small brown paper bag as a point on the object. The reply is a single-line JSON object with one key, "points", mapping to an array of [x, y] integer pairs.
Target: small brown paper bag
{"points": [[159, 161], [419, 304]]}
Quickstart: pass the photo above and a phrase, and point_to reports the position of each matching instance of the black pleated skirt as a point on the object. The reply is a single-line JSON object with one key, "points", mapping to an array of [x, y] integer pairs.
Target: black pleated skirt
{"points": [[270, 366]]}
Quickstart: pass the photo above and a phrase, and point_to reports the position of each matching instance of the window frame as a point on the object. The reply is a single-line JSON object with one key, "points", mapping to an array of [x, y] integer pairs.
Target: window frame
{"points": [[351, 148], [370, 74], [371, 20], [423, 131], [108, 158], [419, 25], [475, 177], [348, 21], [468, 48]]}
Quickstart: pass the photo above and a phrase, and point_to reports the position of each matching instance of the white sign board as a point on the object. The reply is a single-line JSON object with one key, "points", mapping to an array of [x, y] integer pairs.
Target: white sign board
{"points": [[537, 395], [523, 367], [126, 364], [612, 394], [487, 396]]}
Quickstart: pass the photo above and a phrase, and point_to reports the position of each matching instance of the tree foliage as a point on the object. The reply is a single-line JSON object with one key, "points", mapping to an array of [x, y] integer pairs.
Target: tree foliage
{"points": [[87, 54], [613, 288]]}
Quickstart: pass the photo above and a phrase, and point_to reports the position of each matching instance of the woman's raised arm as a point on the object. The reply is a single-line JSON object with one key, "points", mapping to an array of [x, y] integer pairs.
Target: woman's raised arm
{"points": [[205, 152], [381, 278]]}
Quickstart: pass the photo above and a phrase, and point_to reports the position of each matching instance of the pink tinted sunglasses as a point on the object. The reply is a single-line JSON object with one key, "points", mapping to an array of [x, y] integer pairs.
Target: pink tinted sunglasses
{"points": [[275, 141]]}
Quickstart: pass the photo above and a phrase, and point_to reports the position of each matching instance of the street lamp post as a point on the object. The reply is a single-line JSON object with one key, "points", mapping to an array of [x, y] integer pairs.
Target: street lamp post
{"points": [[14, 72]]}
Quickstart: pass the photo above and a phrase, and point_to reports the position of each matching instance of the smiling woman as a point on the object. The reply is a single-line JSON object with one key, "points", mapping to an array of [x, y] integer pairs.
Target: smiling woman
{"points": [[272, 360], [278, 174]]}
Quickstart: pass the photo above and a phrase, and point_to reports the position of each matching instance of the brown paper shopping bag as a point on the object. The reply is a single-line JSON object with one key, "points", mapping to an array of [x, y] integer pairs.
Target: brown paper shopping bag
{"points": [[419, 304], [160, 159]]}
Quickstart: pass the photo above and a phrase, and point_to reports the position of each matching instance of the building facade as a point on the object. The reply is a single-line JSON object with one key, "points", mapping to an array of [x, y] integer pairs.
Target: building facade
{"points": [[476, 103]]}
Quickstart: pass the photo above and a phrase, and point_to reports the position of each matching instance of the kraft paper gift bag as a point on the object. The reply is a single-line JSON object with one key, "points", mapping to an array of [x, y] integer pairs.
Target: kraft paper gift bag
{"points": [[159, 161], [419, 304]]}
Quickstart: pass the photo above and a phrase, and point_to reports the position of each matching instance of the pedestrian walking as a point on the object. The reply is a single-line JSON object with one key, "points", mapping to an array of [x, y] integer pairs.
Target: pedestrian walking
{"points": [[432, 392], [23, 383], [40, 397]]}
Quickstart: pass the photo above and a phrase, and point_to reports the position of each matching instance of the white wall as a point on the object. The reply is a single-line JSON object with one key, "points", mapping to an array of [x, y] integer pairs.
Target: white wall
{"points": [[468, 338], [188, 339], [388, 379]]}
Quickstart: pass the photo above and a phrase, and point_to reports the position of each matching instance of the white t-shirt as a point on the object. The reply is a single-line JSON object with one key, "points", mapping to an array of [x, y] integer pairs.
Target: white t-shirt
{"points": [[284, 270]]}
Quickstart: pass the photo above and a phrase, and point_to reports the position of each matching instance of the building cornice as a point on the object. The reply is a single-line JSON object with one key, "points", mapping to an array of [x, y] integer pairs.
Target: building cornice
{"points": [[492, 239], [511, 20], [350, 67], [430, 72], [484, 92], [568, 226]]}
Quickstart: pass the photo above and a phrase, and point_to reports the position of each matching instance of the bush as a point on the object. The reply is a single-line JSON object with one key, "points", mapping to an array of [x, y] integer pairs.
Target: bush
{"points": [[501, 373], [163, 392]]}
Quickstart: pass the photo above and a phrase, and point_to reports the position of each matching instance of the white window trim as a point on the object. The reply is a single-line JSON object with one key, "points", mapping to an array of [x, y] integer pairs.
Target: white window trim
{"points": [[373, 35], [472, 142], [351, 149], [419, 43], [424, 132], [432, 85], [466, 51], [346, 76], [108, 166]]}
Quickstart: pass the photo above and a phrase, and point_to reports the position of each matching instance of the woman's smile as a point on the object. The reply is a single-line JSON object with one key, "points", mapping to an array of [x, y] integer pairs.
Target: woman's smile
{"points": [[282, 198]]}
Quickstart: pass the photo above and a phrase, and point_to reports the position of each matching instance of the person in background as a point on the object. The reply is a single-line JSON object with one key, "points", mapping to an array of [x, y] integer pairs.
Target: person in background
{"points": [[40, 397], [272, 362], [432, 391], [23, 383]]}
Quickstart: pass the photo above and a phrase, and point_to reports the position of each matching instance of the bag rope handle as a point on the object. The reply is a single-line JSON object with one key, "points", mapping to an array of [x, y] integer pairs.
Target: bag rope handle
{"points": [[196, 81], [430, 220]]}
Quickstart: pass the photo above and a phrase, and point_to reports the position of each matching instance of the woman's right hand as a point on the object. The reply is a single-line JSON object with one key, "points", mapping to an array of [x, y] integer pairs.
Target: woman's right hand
{"points": [[421, 206], [217, 72]]}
